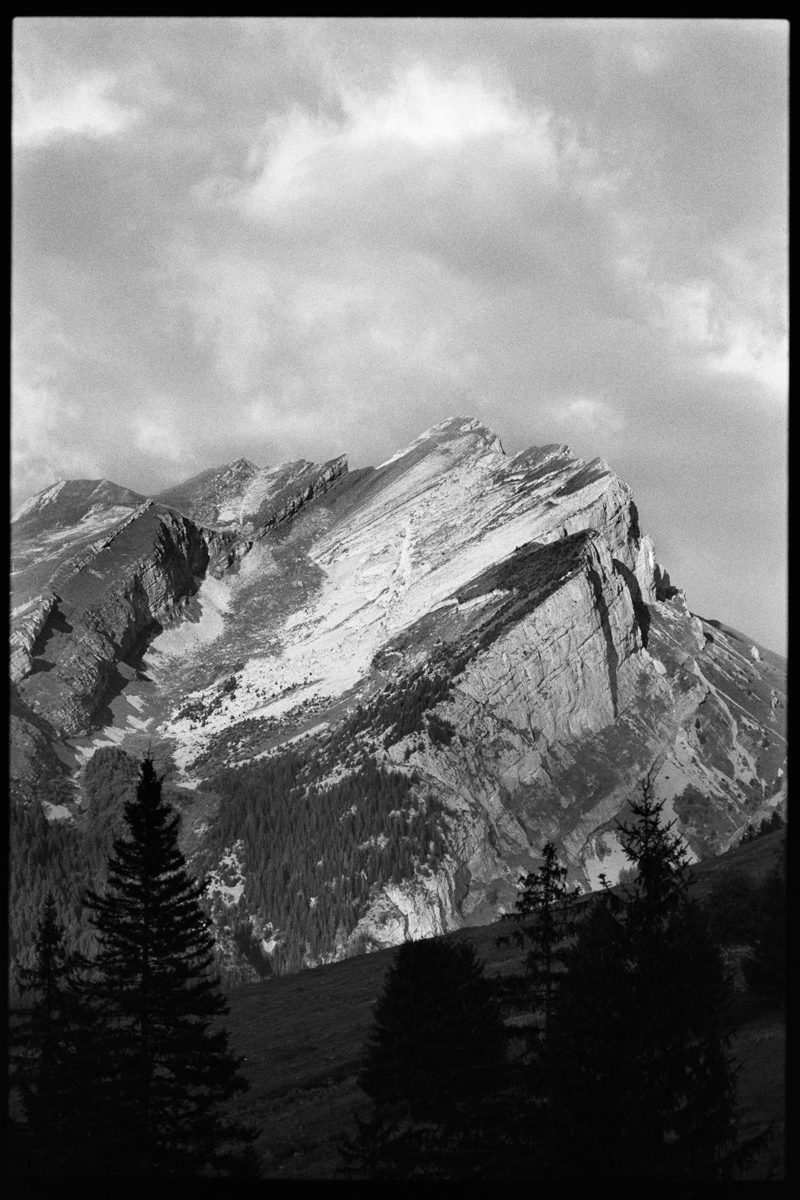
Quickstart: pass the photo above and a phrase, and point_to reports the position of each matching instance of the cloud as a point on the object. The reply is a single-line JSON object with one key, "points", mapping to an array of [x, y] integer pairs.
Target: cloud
{"points": [[590, 416], [48, 442], [295, 238], [44, 109], [427, 134], [157, 437], [387, 239], [762, 356]]}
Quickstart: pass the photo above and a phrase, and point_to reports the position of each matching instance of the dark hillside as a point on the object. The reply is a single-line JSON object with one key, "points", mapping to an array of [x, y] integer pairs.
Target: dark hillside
{"points": [[302, 1036]]}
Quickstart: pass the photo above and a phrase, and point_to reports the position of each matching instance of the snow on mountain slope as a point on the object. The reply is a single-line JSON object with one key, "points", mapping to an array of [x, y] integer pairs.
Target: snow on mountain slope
{"points": [[430, 520], [514, 600]]}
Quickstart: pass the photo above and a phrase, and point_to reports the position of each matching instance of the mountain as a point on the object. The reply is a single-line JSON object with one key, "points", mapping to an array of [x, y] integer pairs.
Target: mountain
{"points": [[381, 691]]}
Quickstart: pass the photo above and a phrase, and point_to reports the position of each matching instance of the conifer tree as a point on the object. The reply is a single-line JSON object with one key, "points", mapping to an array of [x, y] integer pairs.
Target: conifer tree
{"points": [[543, 898], [765, 972], [434, 1058], [167, 1070], [639, 1082], [45, 1046]]}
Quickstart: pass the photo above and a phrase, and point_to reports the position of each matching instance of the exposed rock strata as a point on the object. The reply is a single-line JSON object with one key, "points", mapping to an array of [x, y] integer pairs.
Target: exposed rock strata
{"points": [[133, 580], [575, 666]]}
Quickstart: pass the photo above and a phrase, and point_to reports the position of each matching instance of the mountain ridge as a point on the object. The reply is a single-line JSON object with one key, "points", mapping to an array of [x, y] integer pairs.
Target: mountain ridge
{"points": [[494, 630]]}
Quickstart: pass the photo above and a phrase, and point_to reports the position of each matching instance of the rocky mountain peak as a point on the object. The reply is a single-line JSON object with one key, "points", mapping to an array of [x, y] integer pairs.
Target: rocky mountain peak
{"points": [[491, 635], [455, 436], [240, 495], [455, 428], [70, 501]]}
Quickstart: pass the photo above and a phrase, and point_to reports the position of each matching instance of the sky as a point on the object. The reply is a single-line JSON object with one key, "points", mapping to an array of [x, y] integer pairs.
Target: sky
{"points": [[282, 238]]}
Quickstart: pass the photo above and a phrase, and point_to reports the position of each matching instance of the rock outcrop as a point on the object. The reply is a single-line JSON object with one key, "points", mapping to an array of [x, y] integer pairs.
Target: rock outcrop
{"points": [[250, 499], [103, 604]]}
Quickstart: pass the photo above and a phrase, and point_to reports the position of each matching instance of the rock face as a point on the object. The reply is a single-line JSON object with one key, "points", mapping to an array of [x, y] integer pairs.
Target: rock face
{"points": [[120, 565], [101, 607], [518, 596], [249, 499]]}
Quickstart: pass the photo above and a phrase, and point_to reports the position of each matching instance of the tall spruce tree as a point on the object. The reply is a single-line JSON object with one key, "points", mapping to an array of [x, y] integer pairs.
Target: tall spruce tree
{"points": [[765, 972], [639, 1082], [167, 1071], [433, 1061], [46, 1042], [542, 905]]}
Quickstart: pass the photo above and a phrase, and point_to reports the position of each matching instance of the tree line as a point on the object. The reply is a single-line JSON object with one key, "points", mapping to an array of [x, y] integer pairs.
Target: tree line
{"points": [[60, 857], [314, 849], [767, 825], [606, 1058]]}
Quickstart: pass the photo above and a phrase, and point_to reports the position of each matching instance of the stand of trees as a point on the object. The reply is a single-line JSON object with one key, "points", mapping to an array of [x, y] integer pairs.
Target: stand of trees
{"points": [[316, 850], [638, 1080], [767, 825], [61, 858], [120, 1063], [629, 1075], [748, 920]]}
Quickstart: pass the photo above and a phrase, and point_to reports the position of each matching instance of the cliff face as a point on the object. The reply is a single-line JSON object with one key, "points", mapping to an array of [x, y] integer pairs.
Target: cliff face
{"points": [[558, 720], [101, 608], [116, 568], [249, 607], [250, 499]]}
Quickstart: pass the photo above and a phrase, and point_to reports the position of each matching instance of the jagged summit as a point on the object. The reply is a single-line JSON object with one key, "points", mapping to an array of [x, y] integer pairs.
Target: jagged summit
{"points": [[238, 469], [459, 427], [243, 496], [68, 501], [468, 433]]}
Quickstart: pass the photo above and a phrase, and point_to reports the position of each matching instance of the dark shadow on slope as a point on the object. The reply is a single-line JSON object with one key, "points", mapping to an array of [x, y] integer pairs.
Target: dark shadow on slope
{"points": [[121, 673], [611, 650], [640, 609], [56, 623], [39, 665]]}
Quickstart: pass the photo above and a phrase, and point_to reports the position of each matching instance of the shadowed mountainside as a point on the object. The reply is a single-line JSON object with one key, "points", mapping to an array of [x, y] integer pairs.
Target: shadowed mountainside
{"points": [[302, 1036]]}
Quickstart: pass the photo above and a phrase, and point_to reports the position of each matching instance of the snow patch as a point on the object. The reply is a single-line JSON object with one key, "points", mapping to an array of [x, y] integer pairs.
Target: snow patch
{"points": [[136, 723], [55, 812]]}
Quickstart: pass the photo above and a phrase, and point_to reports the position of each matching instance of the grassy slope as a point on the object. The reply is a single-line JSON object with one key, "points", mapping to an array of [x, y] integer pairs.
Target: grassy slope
{"points": [[302, 1036]]}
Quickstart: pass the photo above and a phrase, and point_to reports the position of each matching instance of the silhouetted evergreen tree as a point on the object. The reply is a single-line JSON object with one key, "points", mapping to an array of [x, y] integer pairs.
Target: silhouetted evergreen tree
{"points": [[166, 1070], [765, 971], [732, 908], [543, 897], [45, 1045], [768, 825], [433, 1061], [638, 1079]]}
